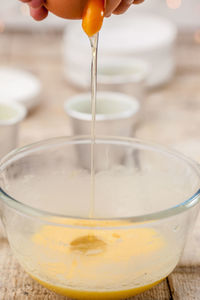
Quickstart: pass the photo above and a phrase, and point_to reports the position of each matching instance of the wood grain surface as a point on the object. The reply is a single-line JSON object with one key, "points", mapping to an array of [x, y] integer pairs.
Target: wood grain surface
{"points": [[170, 115]]}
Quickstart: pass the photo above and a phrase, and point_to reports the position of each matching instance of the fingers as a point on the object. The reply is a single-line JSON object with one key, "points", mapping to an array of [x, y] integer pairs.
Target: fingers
{"points": [[37, 10], [111, 5], [119, 6], [36, 3], [138, 1], [39, 14], [123, 6]]}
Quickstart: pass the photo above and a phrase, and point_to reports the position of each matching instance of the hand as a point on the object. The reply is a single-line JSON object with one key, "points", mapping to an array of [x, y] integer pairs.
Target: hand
{"points": [[39, 12], [119, 6]]}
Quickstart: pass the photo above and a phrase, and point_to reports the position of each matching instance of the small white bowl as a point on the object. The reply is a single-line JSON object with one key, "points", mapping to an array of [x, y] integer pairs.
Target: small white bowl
{"points": [[19, 86], [116, 114], [11, 114], [130, 36]]}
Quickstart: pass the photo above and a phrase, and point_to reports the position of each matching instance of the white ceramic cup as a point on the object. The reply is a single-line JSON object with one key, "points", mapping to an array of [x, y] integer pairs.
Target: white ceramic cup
{"points": [[116, 115], [11, 114]]}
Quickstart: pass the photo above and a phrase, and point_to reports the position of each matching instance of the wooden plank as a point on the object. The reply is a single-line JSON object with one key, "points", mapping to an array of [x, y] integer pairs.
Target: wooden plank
{"points": [[187, 52], [170, 113], [43, 45], [31, 51], [191, 257], [185, 283], [160, 292], [5, 49]]}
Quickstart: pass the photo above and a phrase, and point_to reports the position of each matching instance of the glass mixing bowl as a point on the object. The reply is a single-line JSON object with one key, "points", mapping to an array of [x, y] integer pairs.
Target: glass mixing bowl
{"points": [[146, 202]]}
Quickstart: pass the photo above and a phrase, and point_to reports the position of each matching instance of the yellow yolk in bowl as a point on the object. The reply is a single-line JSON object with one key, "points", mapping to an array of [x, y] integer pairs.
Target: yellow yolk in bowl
{"points": [[95, 295], [98, 263]]}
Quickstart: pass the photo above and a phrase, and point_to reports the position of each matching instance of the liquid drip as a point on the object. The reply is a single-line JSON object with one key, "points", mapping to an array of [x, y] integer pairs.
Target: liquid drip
{"points": [[94, 46]]}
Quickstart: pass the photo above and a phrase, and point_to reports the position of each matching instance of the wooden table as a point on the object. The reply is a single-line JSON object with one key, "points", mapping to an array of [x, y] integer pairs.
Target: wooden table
{"points": [[171, 115]]}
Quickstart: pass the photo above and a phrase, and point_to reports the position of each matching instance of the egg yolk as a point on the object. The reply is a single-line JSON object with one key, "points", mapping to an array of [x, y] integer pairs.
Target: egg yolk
{"points": [[93, 16]]}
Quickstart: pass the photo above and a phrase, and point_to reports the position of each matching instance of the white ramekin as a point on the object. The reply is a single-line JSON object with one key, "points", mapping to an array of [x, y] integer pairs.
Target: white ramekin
{"points": [[116, 114], [11, 114]]}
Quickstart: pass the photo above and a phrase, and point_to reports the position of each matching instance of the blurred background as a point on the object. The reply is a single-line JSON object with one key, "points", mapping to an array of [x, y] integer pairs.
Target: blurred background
{"points": [[151, 53]]}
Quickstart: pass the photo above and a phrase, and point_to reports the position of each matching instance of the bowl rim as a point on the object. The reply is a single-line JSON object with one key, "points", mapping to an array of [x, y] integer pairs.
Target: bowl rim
{"points": [[59, 219]]}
